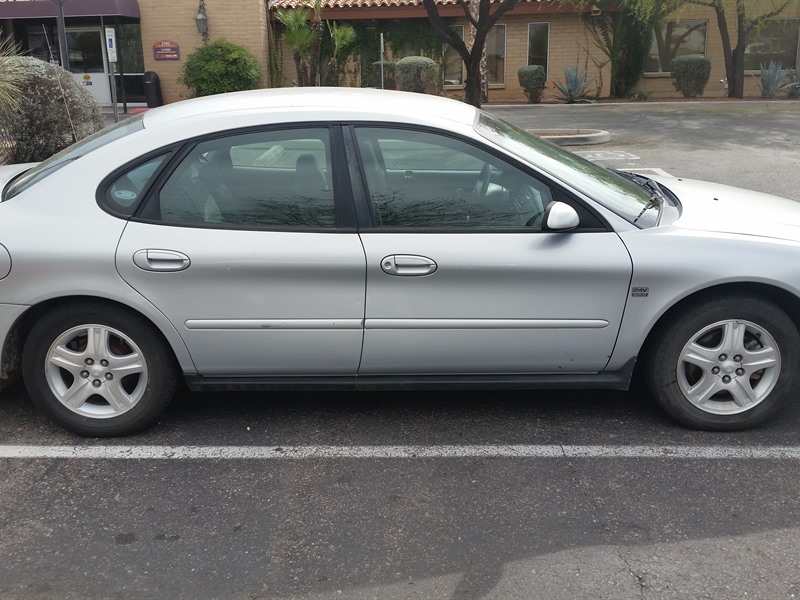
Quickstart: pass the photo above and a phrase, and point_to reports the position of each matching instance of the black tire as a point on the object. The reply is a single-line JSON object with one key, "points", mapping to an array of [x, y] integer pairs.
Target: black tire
{"points": [[674, 377], [134, 368]]}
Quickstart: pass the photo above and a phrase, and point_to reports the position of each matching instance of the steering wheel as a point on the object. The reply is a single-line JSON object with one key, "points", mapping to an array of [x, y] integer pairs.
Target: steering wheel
{"points": [[482, 184]]}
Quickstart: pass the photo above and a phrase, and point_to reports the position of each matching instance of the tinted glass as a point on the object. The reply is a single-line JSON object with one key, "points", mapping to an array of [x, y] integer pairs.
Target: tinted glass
{"points": [[126, 191], [71, 153], [419, 179], [672, 39], [271, 179]]}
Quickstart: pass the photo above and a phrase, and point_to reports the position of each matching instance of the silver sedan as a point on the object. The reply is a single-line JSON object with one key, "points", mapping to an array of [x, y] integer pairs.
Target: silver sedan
{"points": [[358, 239]]}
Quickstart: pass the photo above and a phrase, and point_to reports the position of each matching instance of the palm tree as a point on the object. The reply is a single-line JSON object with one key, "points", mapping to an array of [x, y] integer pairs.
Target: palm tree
{"points": [[317, 28], [341, 36], [300, 38]]}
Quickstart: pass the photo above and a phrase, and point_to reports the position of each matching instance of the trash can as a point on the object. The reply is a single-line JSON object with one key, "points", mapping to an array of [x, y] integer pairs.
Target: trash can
{"points": [[152, 90]]}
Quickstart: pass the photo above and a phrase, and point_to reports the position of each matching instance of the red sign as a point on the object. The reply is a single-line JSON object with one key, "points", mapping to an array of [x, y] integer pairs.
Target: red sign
{"points": [[166, 51]]}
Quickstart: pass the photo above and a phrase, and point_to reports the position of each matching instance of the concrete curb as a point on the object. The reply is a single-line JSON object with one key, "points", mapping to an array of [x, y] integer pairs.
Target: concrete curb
{"points": [[573, 137]]}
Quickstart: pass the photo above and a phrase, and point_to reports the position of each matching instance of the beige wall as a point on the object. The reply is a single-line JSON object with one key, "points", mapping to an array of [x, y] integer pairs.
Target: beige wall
{"points": [[660, 86], [240, 21]]}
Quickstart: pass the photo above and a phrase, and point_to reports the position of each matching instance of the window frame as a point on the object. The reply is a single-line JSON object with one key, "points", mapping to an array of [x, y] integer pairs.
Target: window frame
{"points": [[492, 85], [344, 209], [654, 74], [528, 54], [364, 204], [797, 51]]}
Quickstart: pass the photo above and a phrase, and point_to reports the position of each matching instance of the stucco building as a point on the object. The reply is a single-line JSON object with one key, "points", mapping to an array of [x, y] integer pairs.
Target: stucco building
{"points": [[152, 35]]}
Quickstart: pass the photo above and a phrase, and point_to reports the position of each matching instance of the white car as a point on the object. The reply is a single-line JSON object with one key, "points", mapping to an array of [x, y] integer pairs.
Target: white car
{"points": [[360, 239]]}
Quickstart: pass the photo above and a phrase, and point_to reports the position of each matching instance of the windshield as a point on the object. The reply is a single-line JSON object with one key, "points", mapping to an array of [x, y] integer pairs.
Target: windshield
{"points": [[71, 153], [627, 199]]}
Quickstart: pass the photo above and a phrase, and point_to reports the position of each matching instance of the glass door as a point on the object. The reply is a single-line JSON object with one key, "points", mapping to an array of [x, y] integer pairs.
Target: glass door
{"points": [[87, 62]]}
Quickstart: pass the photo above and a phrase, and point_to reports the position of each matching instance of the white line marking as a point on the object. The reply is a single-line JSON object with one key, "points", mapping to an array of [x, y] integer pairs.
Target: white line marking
{"points": [[655, 170], [390, 452]]}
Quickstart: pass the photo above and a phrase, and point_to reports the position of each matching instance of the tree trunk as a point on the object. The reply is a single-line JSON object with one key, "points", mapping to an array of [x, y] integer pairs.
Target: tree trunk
{"points": [[730, 73], [332, 74], [472, 85], [318, 27]]}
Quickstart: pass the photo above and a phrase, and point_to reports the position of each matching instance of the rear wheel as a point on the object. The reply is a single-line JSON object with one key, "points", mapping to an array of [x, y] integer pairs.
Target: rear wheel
{"points": [[98, 371], [725, 363]]}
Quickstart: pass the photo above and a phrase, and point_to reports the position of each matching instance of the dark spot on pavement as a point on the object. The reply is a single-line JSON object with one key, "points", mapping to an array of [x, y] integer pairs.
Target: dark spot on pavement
{"points": [[125, 538]]}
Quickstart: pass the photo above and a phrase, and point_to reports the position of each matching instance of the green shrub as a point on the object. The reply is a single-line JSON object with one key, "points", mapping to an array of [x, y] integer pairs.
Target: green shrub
{"points": [[51, 103], [220, 67], [772, 77], [532, 78], [574, 88], [690, 74], [416, 74], [389, 74]]}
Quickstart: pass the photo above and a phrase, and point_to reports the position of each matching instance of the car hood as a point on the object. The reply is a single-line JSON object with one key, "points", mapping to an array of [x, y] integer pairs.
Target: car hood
{"points": [[7, 172], [720, 208]]}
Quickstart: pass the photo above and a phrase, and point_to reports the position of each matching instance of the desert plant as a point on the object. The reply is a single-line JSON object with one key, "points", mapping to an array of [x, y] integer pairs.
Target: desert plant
{"points": [[416, 74], [299, 37], [389, 74], [771, 81], [794, 83], [341, 37], [53, 111], [532, 78], [575, 87], [220, 67], [11, 77], [638, 95], [690, 74]]}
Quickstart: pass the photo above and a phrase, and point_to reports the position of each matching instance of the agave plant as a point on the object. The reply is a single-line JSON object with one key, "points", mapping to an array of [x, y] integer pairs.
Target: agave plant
{"points": [[575, 87], [772, 77], [794, 83]]}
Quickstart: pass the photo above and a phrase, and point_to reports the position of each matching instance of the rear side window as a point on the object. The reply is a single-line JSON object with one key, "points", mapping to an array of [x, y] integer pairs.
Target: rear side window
{"points": [[72, 153], [278, 179], [126, 191]]}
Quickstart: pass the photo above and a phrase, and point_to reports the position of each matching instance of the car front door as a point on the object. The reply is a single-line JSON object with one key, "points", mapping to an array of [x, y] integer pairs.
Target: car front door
{"points": [[461, 277], [244, 245]]}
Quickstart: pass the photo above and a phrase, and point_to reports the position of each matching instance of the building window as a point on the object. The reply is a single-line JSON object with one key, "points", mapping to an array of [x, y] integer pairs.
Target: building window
{"points": [[496, 54], [672, 39], [453, 72], [538, 44], [776, 40]]}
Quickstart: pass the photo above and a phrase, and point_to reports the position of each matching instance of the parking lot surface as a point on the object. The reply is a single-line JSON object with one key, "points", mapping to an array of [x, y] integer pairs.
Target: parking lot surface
{"points": [[461, 495]]}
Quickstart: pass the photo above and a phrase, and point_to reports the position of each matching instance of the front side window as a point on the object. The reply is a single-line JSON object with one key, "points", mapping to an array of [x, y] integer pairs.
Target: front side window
{"points": [[538, 44], [776, 40], [628, 200], [423, 180], [672, 39], [453, 70], [268, 179]]}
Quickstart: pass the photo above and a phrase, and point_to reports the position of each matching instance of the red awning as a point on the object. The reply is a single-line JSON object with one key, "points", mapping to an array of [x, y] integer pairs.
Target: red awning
{"points": [[37, 9]]}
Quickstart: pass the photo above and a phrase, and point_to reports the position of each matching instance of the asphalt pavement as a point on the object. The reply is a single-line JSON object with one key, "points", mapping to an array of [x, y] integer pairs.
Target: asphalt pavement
{"points": [[463, 495]]}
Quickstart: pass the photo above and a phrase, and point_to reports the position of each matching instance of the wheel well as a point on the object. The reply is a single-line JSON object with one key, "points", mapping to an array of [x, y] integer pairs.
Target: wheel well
{"points": [[12, 349], [783, 299]]}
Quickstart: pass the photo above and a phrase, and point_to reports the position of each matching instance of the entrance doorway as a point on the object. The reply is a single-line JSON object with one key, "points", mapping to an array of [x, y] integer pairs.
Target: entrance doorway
{"points": [[87, 62]]}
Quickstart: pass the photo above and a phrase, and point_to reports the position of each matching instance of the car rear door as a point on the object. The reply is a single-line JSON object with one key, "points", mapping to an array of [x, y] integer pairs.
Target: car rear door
{"points": [[247, 244], [461, 278]]}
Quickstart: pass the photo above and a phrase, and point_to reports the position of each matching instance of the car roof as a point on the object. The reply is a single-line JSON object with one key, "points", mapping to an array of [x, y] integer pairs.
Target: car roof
{"points": [[345, 103]]}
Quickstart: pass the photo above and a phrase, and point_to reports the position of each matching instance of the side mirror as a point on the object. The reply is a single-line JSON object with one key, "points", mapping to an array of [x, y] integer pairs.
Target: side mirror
{"points": [[559, 216]]}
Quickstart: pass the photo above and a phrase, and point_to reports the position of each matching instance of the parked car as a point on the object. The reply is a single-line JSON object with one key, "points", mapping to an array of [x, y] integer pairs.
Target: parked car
{"points": [[361, 239]]}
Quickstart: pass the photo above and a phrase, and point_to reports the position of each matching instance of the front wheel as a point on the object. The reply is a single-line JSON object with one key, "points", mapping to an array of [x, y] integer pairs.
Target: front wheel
{"points": [[98, 371], [725, 363]]}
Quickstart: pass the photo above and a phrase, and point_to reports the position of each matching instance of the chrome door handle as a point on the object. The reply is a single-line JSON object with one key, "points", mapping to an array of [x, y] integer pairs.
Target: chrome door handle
{"points": [[408, 265], [161, 260]]}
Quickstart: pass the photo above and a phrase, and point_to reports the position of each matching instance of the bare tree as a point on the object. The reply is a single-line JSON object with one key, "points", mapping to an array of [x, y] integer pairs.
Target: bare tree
{"points": [[482, 21]]}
